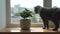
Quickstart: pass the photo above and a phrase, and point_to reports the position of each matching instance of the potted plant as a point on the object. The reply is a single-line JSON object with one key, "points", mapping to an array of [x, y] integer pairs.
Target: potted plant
{"points": [[25, 23]]}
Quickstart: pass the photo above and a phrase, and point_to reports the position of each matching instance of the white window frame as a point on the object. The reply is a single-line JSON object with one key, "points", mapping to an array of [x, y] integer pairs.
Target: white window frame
{"points": [[9, 17]]}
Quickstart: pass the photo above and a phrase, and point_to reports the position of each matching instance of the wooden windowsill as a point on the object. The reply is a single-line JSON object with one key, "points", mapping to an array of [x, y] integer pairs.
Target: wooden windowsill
{"points": [[32, 29]]}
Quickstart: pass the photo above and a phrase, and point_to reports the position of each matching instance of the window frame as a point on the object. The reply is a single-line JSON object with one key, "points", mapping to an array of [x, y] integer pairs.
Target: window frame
{"points": [[12, 25]]}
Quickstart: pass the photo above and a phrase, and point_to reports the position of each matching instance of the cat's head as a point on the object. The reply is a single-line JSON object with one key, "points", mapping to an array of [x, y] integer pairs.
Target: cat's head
{"points": [[37, 9]]}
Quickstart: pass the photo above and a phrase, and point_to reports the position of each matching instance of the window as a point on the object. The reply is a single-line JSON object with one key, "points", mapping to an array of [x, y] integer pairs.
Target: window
{"points": [[19, 5], [56, 3]]}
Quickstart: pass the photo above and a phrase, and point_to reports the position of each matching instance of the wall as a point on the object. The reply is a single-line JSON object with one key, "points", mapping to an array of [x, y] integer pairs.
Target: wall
{"points": [[2, 14], [47, 3]]}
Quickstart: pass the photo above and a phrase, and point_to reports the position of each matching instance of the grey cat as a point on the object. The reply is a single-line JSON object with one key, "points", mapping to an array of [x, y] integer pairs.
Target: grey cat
{"points": [[46, 14]]}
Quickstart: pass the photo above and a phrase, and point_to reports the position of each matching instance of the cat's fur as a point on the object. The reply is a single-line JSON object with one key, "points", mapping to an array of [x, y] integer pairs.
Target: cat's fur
{"points": [[46, 14]]}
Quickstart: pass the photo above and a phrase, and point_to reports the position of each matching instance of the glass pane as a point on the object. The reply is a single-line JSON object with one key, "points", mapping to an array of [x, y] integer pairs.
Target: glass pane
{"points": [[56, 3], [19, 5]]}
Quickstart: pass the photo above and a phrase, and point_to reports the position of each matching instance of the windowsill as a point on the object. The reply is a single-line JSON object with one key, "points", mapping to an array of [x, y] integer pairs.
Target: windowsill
{"points": [[32, 29]]}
